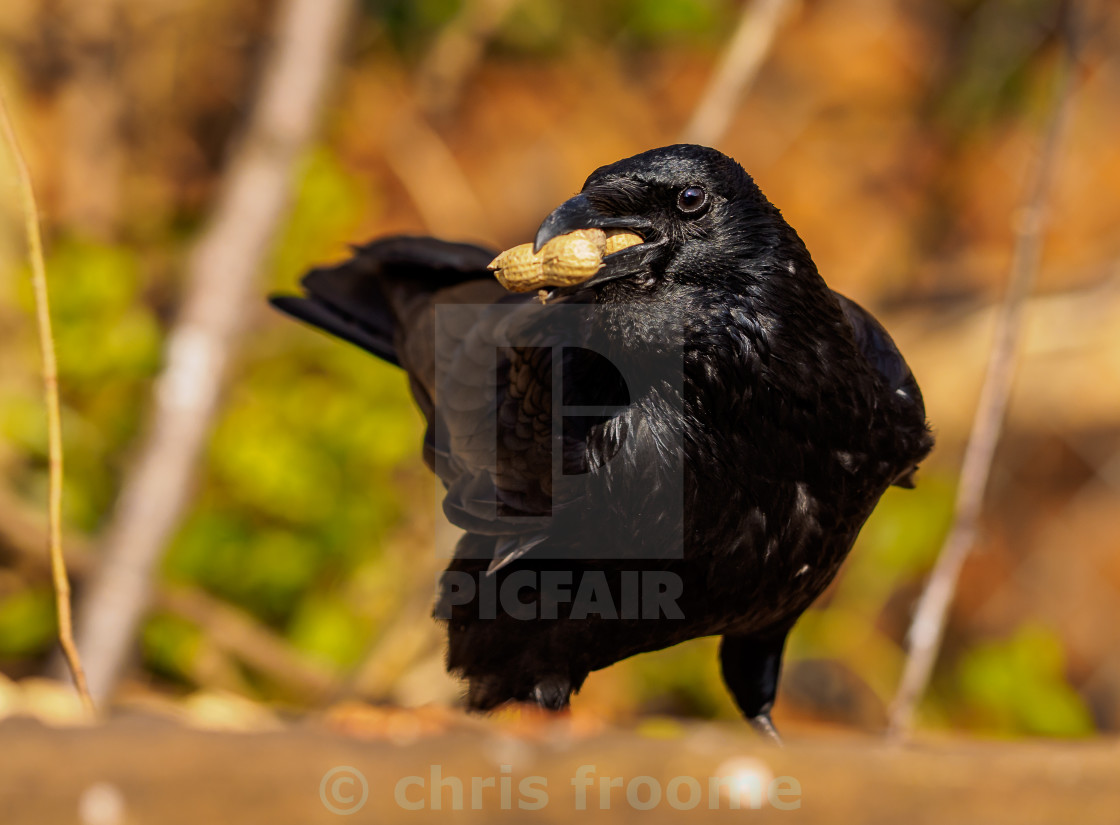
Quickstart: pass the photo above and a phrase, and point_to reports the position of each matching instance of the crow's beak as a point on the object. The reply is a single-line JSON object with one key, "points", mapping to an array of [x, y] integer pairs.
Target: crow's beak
{"points": [[580, 213]]}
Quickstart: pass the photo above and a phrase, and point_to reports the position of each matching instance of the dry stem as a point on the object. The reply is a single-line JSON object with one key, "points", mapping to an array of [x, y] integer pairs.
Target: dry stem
{"points": [[54, 415], [738, 67]]}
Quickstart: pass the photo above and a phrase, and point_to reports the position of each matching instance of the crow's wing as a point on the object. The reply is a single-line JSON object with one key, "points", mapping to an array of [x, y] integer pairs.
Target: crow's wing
{"points": [[481, 379], [880, 350], [374, 299]]}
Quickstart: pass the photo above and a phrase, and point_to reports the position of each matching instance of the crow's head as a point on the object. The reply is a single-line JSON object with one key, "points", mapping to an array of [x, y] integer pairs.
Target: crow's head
{"points": [[700, 214]]}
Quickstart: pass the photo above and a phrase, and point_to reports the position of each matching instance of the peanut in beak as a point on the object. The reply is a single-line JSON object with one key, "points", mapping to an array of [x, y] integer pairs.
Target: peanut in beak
{"points": [[566, 260]]}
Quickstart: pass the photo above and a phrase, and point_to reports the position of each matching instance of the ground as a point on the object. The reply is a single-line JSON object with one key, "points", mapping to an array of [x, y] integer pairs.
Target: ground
{"points": [[139, 769]]}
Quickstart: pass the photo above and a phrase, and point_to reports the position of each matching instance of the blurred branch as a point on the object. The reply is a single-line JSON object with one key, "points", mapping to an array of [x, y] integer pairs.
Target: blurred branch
{"points": [[239, 634], [928, 625], [219, 288], [405, 634], [433, 178], [1069, 342], [738, 68], [408, 637], [54, 415], [456, 53]]}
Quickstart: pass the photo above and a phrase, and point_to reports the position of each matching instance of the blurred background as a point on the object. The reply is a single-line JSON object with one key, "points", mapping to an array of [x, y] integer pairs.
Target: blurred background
{"points": [[297, 567]]}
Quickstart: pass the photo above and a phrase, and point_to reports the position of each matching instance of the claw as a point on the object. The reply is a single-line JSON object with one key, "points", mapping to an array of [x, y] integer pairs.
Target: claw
{"points": [[552, 692], [764, 726]]}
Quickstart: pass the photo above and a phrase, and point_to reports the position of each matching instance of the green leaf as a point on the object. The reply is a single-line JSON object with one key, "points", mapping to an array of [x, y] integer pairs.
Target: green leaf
{"points": [[27, 623], [326, 629], [1019, 686]]}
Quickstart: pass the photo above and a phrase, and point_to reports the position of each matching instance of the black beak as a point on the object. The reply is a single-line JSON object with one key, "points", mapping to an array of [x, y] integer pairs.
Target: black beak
{"points": [[580, 213]]}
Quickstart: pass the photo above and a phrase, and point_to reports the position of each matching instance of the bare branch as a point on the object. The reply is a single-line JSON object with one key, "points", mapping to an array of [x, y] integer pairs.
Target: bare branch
{"points": [[433, 178], [54, 415], [236, 632], [738, 68], [220, 277], [928, 625]]}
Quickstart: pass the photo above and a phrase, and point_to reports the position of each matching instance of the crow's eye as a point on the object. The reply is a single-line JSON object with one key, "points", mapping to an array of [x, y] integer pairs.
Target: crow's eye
{"points": [[691, 201]]}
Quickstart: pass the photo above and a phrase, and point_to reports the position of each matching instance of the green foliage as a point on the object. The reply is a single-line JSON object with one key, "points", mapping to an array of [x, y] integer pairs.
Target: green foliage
{"points": [[1019, 686], [410, 23], [327, 629], [673, 20], [27, 623], [107, 341], [265, 571], [899, 541], [104, 328], [302, 477], [991, 68], [897, 545], [22, 423], [328, 204], [684, 680], [545, 27], [169, 645]]}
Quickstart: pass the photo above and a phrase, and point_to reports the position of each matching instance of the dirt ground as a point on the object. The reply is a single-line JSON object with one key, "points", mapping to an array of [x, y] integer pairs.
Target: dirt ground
{"points": [[139, 770]]}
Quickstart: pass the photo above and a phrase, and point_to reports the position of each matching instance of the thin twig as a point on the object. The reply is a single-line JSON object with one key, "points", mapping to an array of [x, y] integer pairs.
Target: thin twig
{"points": [[54, 414], [928, 625], [738, 68]]}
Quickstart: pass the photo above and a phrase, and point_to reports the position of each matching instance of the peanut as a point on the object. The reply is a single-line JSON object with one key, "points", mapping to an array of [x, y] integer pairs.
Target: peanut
{"points": [[573, 258], [518, 269], [619, 239], [566, 260]]}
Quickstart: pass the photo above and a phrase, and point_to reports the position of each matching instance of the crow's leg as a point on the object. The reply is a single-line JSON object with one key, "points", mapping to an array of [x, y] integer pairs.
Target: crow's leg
{"points": [[751, 665]]}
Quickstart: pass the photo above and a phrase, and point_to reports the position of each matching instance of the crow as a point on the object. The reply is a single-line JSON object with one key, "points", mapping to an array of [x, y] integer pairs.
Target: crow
{"points": [[686, 444]]}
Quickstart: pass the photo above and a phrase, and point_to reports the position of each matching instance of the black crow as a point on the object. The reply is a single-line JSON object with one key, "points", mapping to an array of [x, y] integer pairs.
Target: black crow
{"points": [[725, 424]]}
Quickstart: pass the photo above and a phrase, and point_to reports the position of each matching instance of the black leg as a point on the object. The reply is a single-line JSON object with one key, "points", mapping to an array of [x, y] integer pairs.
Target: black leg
{"points": [[751, 666]]}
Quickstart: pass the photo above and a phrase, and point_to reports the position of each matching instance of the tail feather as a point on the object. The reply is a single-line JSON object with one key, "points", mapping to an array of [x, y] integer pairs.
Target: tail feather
{"points": [[369, 299], [377, 340]]}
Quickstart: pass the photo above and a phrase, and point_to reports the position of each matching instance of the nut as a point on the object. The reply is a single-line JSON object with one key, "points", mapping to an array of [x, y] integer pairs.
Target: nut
{"points": [[571, 259], [566, 260], [518, 269], [619, 239]]}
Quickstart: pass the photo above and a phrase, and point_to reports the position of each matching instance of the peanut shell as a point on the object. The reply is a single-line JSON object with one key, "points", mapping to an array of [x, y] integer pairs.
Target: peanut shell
{"points": [[566, 260]]}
